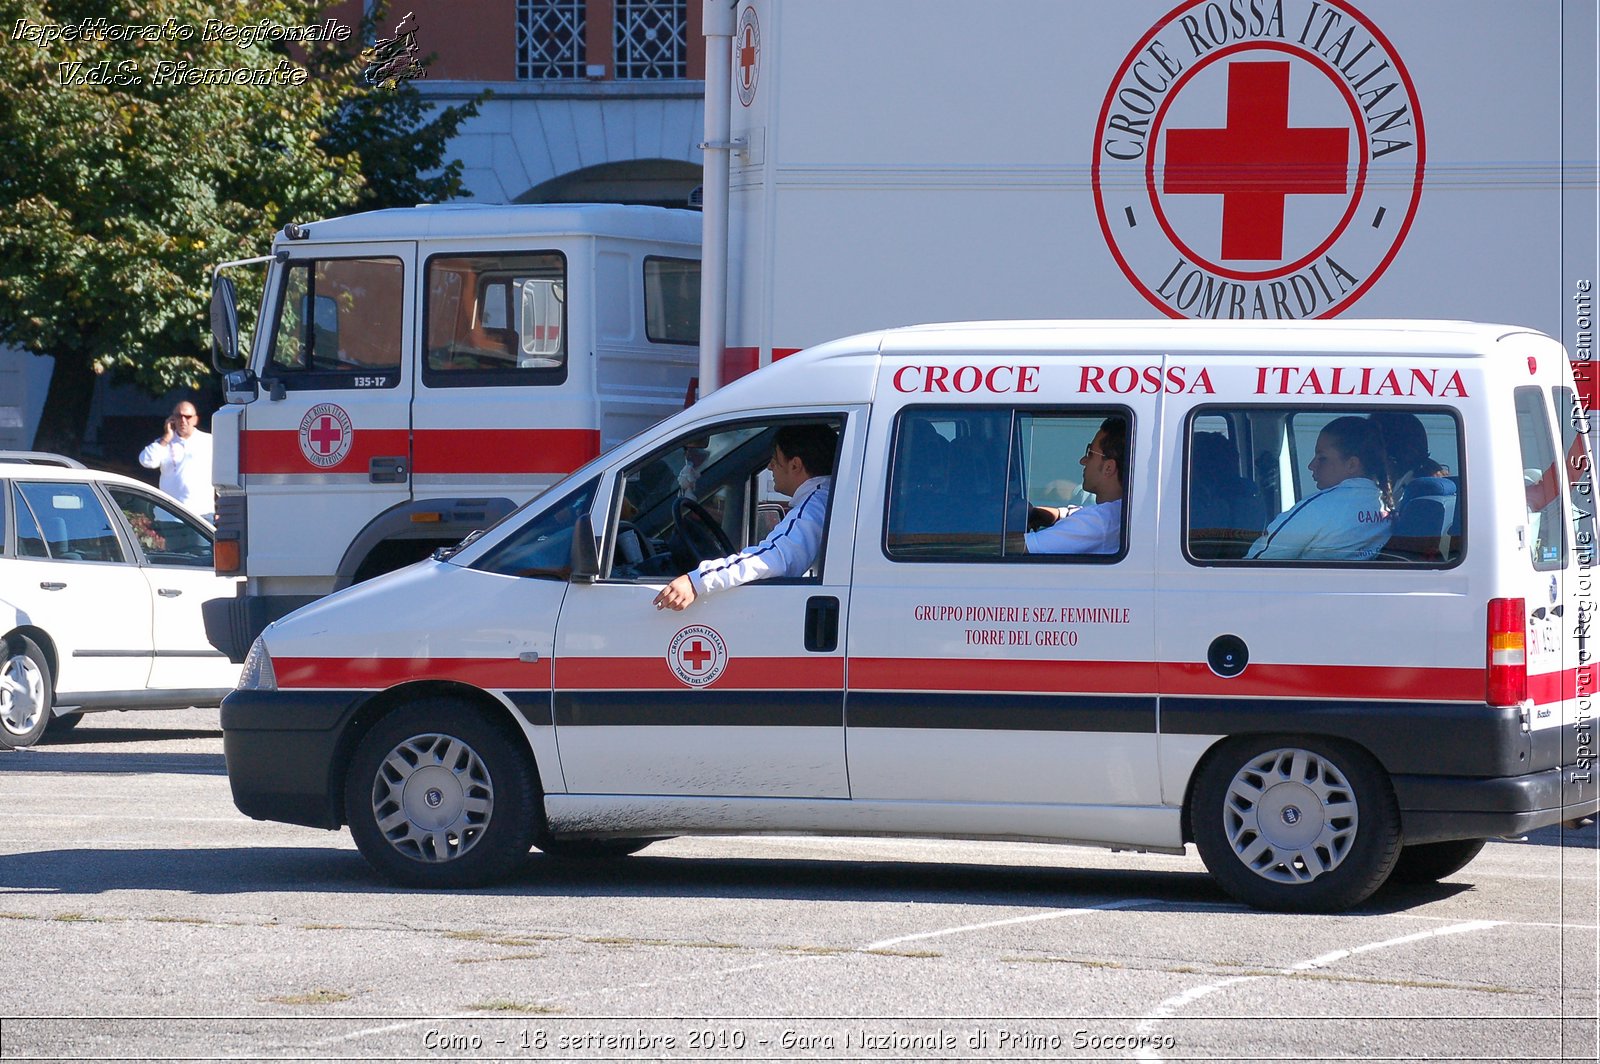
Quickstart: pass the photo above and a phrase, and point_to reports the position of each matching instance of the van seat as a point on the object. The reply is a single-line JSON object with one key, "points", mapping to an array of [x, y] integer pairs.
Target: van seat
{"points": [[1427, 522], [1226, 510]]}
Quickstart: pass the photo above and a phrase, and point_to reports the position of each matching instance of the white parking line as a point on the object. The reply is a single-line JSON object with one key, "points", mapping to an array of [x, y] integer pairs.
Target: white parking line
{"points": [[1172, 1005], [1055, 914]]}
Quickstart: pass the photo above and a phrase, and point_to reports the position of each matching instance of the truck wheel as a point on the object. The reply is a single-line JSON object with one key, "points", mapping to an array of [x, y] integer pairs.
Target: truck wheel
{"points": [[1295, 825], [592, 849], [1429, 862], [438, 794], [25, 693]]}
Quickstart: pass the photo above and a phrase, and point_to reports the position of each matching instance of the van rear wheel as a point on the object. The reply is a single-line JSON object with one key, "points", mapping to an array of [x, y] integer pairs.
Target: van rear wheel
{"points": [[1429, 862], [439, 794], [1295, 825]]}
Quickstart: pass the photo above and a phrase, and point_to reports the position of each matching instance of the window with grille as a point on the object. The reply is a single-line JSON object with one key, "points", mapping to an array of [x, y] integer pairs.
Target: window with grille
{"points": [[550, 39], [651, 39]]}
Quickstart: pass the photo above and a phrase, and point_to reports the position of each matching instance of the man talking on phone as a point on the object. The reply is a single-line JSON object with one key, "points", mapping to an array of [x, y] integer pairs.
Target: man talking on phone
{"points": [[183, 454]]}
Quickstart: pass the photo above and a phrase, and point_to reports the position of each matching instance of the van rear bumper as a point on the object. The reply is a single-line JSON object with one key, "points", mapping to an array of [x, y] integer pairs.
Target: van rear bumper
{"points": [[282, 751], [1440, 808]]}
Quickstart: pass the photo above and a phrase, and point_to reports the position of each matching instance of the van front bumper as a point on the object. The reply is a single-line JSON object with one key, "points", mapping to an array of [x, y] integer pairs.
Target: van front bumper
{"points": [[1440, 808], [283, 753]]}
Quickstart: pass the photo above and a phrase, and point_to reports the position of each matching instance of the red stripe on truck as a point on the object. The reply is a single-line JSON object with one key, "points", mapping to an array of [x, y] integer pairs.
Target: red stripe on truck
{"points": [[459, 451]]}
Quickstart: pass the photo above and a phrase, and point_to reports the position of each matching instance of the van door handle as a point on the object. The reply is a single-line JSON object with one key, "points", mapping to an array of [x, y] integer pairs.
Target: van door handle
{"points": [[168, 592], [822, 623], [389, 470], [52, 585]]}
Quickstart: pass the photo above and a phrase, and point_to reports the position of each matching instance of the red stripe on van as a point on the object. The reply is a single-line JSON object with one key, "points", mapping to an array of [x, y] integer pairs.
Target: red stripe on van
{"points": [[1175, 678], [278, 451], [503, 450], [1261, 680], [1546, 687], [968, 674], [646, 674], [506, 674], [741, 361]]}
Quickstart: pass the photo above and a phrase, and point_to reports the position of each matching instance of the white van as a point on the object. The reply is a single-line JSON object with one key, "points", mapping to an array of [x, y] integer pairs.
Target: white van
{"points": [[1311, 723]]}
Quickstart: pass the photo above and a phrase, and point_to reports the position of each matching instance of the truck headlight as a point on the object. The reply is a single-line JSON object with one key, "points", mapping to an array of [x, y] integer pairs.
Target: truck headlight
{"points": [[258, 674]]}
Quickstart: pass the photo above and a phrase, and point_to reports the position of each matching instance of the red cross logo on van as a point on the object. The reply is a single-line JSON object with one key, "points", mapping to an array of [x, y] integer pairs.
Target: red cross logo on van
{"points": [[325, 435], [1258, 163], [697, 655]]}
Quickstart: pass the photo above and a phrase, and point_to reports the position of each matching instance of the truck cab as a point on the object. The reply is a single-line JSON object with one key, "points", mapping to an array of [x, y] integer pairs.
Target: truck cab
{"points": [[418, 373]]}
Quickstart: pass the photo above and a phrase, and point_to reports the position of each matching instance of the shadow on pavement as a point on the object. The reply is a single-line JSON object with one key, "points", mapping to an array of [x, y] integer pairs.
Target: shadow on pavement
{"points": [[96, 761]]}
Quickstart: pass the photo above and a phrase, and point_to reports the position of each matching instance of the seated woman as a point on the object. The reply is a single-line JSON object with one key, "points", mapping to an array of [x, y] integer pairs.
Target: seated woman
{"points": [[1347, 519]]}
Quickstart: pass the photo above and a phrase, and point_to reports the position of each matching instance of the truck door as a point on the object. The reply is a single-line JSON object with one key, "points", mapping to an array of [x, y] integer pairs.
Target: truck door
{"points": [[988, 679], [327, 445], [742, 693]]}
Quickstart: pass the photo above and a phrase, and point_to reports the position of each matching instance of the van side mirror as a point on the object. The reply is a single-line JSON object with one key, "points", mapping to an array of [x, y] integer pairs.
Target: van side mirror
{"points": [[585, 558], [224, 326]]}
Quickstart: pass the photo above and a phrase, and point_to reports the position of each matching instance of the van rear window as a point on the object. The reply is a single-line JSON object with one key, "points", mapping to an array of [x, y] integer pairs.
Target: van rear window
{"points": [[1324, 486], [1542, 479]]}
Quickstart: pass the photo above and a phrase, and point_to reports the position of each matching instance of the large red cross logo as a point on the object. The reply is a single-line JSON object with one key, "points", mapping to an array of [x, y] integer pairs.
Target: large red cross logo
{"points": [[1257, 161], [747, 57], [326, 435], [697, 655]]}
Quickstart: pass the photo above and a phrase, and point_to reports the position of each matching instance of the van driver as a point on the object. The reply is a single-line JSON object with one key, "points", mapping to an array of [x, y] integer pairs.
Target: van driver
{"points": [[802, 465]]}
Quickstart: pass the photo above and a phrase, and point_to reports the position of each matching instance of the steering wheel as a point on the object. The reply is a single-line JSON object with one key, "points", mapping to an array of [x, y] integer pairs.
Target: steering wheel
{"points": [[703, 536]]}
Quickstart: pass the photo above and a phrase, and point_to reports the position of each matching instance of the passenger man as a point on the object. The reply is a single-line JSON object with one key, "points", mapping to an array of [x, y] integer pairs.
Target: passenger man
{"points": [[1094, 529], [183, 454], [802, 465]]}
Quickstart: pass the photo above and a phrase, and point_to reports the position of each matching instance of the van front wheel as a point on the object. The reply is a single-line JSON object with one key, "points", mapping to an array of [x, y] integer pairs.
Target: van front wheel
{"points": [[1295, 825], [439, 794]]}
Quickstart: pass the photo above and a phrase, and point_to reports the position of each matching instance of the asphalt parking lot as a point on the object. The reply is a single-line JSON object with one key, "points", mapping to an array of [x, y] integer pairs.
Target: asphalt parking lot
{"points": [[144, 917]]}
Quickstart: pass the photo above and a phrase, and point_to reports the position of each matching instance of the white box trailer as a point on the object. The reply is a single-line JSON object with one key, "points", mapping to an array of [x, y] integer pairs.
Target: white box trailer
{"points": [[905, 161]]}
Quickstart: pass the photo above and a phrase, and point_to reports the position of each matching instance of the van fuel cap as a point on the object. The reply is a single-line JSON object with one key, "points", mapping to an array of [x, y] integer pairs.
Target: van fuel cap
{"points": [[1227, 655]]}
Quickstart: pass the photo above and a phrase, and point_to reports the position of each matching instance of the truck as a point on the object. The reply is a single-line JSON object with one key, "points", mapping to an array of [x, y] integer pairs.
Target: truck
{"points": [[868, 166], [417, 373], [896, 162]]}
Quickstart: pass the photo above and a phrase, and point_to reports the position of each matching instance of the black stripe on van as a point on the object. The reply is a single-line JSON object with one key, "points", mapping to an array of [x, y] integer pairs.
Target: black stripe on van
{"points": [[705, 709], [1001, 712]]}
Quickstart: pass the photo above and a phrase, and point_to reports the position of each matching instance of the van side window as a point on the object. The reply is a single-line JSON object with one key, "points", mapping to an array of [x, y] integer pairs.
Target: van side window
{"points": [[991, 483], [542, 547], [495, 319], [1318, 485], [338, 316], [1547, 541]]}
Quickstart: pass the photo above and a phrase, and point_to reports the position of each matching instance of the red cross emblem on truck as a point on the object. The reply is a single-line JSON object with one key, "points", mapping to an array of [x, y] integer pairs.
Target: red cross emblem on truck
{"points": [[747, 41], [325, 434], [1267, 166]]}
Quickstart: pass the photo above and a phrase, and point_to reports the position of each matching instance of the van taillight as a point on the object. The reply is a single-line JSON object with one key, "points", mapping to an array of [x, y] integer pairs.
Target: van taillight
{"points": [[1507, 656]]}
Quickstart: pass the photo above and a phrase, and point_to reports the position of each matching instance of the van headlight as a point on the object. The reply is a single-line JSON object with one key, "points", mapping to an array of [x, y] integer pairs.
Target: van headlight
{"points": [[258, 674]]}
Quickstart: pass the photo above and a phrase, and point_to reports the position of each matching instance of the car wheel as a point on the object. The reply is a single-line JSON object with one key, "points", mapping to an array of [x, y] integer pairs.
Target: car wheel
{"points": [[25, 692], [592, 849], [1429, 862], [439, 794], [62, 723], [1295, 825]]}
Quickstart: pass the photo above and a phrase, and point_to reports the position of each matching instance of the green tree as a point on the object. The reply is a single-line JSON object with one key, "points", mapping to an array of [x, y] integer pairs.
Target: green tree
{"points": [[133, 157]]}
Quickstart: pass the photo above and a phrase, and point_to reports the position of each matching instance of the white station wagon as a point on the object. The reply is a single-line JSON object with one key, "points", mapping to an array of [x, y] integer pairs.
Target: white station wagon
{"points": [[101, 582]]}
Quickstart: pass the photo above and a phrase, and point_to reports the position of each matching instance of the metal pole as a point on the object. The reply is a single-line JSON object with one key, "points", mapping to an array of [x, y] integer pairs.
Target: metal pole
{"points": [[719, 29]]}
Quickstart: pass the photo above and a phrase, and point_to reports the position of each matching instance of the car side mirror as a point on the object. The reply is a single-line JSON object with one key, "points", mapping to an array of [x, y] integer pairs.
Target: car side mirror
{"points": [[224, 326], [585, 558]]}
